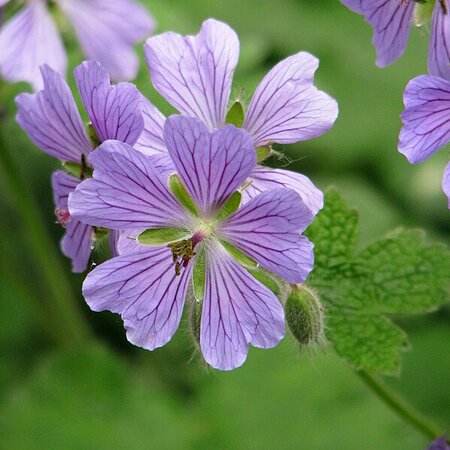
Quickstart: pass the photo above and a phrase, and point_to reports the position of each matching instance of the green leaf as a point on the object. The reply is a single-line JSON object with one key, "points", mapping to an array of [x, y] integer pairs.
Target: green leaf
{"points": [[199, 274], [399, 274], [240, 257], [231, 205], [235, 115], [180, 192], [157, 236]]}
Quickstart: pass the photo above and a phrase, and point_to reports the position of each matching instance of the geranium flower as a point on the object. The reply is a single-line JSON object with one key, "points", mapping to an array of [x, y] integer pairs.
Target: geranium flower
{"points": [[194, 74], [391, 22], [426, 121], [107, 31], [196, 235], [53, 122]]}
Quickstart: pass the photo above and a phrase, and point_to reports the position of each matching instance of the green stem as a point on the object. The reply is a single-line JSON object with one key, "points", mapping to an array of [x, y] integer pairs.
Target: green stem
{"points": [[64, 318], [403, 409]]}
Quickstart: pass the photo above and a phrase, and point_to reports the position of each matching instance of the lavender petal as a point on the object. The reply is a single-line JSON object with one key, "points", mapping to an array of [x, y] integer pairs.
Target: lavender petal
{"points": [[439, 53], [446, 183]]}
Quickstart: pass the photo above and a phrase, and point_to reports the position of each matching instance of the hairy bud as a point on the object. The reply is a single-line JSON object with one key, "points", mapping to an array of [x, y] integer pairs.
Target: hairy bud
{"points": [[304, 316]]}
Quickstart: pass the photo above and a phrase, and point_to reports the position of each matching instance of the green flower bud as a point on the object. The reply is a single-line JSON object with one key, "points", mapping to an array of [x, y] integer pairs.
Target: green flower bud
{"points": [[304, 316]]}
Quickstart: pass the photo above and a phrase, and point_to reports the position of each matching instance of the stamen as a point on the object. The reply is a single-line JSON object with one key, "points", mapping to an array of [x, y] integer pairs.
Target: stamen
{"points": [[62, 216], [183, 251]]}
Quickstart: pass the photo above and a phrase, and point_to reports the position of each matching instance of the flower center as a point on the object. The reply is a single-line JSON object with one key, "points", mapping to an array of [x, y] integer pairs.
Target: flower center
{"points": [[183, 251]]}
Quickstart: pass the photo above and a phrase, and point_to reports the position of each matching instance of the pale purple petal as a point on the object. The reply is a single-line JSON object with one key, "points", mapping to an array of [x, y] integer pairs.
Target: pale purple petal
{"points": [[391, 22], [115, 111], [27, 41], [439, 54], [52, 120], [108, 30], [194, 73], [286, 107], [446, 183], [212, 165], [266, 178], [3, 2], [268, 227], [237, 311], [144, 290], [127, 242], [77, 240], [151, 140], [126, 192], [440, 443], [426, 119]]}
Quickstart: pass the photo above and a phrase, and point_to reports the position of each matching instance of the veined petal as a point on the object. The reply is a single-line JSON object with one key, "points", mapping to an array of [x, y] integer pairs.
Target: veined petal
{"points": [[391, 22], [108, 30], [212, 165], [77, 240], [266, 178], [126, 192], [151, 140], [446, 183], [29, 40], [286, 107], [426, 119], [237, 311], [144, 290], [439, 54], [52, 120], [115, 111], [267, 228], [194, 73]]}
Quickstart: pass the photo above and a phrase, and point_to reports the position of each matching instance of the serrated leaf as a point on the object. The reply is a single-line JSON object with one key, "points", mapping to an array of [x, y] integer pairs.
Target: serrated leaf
{"points": [[334, 232], [369, 342], [399, 274]]}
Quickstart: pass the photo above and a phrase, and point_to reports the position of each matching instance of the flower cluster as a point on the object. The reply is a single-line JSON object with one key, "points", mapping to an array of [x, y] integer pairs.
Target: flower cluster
{"points": [[193, 214], [31, 39], [426, 127]]}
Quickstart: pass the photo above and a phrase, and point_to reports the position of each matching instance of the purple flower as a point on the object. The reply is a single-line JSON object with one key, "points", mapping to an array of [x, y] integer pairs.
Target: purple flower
{"points": [[391, 22], [52, 121], [194, 74], [439, 444], [149, 285], [106, 29], [426, 120]]}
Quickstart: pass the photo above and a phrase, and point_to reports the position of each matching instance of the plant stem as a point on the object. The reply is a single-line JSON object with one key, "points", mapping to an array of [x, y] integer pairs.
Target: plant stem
{"points": [[63, 317], [403, 409]]}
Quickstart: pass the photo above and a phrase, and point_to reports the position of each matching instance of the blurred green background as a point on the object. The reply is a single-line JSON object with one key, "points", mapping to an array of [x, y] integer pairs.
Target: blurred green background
{"points": [[68, 377]]}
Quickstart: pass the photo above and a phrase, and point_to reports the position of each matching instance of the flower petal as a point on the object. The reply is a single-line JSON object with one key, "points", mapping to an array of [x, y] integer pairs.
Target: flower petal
{"points": [[426, 117], [115, 111], [52, 120], [439, 54], [77, 241], [194, 73], [108, 30], [446, 183], [237, 311], [266, 178], [391, 23], [268, 227], [144, 290], [212, 165], [126, 192], [27, 41], [286, 107], [151, 140]]}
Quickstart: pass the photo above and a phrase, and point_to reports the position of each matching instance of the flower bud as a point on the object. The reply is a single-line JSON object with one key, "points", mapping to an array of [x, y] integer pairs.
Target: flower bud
{"points": [[304, 316]]}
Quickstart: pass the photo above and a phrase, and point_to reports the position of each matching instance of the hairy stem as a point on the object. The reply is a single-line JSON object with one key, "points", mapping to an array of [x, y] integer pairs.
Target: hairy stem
{"points": [[403, 409], [62, 316]]}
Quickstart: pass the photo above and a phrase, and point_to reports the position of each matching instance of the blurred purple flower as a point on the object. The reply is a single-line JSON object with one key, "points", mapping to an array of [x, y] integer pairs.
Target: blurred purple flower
{"points": [[439, 444], [426, 121], [53, 122], [194, 74], [148, 286], [391, 21], [106, 29]]}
